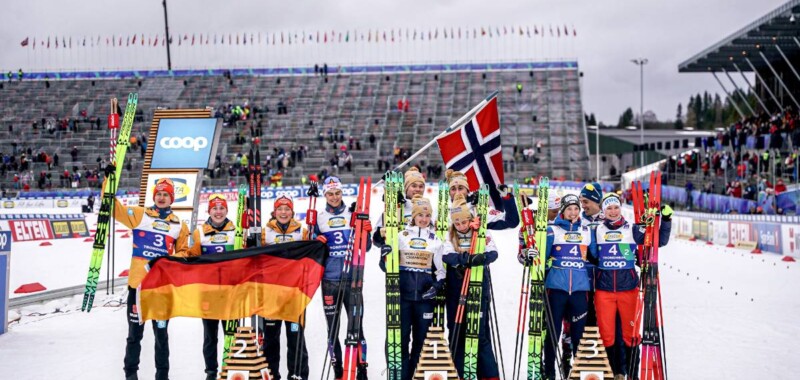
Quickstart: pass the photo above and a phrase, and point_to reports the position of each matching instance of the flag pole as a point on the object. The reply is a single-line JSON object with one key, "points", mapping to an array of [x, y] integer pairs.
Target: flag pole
{"points": [[449, 129]]}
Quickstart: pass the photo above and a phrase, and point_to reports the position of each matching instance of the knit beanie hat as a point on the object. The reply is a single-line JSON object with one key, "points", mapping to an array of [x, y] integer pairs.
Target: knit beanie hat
{"points": [[412, 176], [165, 184], [459, 210], [455, 178], [611, 199], [283, 200], [215, 200], [568, 200], [330, 184], [592, 192], [419, 205]]}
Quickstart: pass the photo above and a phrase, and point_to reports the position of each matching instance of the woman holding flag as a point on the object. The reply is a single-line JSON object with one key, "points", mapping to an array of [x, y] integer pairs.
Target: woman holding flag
{"points": [[216, 235]]}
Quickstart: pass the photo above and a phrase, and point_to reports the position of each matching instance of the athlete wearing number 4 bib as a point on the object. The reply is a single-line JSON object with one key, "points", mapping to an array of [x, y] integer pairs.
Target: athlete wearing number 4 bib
{"points": [[566, 277], [216, 235], [156, 232], [616, 280]]}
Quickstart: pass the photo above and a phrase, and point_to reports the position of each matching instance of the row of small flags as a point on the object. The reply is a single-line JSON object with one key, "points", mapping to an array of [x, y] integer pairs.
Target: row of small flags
{"points": [[392, 35]]}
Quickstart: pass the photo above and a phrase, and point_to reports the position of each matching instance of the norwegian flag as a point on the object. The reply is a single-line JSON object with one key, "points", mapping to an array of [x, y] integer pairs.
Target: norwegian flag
{"points": [[474, 149]]}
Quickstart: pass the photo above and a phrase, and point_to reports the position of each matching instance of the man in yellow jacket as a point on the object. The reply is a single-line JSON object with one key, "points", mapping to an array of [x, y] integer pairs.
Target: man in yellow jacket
{"points": [[157, 231]]}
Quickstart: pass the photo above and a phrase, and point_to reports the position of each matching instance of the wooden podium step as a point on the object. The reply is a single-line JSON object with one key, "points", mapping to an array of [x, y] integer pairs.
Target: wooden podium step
{"points": [[244, 361], [591, 361], [435, 362]]}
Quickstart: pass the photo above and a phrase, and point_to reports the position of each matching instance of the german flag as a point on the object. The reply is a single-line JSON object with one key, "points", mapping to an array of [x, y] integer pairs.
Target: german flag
{"points": [[275, 282]]}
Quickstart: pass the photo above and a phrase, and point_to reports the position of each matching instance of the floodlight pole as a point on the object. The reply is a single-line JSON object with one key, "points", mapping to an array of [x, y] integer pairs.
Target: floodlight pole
{"points": [[166, 35], [641, 62]]}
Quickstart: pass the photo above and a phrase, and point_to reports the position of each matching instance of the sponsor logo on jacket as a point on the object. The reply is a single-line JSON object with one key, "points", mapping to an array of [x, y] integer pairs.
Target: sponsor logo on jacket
{"points": [[573, 237], [417, 243], [219, 238], [161, 225], [613, 236], [337, 221]]}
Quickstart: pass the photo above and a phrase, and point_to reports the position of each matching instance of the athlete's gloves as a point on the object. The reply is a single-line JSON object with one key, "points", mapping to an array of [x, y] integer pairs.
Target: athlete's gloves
{"points": [[503, 190], [666, 212], [313, 190], [475, 260], [527, 256], [386, 250]]}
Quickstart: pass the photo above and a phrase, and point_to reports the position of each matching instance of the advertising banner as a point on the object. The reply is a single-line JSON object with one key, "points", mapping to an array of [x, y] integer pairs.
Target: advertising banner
{"points": [[31, 229], [5, 274], [769, 236], [790, 239], [185, 187], [718, 232], [185, 143], [740, 232]]}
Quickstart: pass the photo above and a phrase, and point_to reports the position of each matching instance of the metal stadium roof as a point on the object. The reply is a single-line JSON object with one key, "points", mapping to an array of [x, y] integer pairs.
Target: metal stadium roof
{"points": [[772, 35]]}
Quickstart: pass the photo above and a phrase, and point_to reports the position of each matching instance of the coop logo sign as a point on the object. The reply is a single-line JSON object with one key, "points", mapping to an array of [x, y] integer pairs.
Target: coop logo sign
{"points": [[193, 143], [185, 143]]}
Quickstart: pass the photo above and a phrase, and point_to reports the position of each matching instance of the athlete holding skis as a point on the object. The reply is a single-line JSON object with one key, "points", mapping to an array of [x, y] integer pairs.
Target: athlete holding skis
{"points": [[616, 279], [216, 235], [458, 258], [333, 228], [157, 231], [567, 281], [282, 228], [422, 276]]}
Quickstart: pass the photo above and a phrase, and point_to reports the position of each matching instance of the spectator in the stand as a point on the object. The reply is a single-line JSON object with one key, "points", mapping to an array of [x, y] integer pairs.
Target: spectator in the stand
{"points": [[316, 69], [55, 159], [689, 189], [372, 140], [74, 153], [780, 187]]}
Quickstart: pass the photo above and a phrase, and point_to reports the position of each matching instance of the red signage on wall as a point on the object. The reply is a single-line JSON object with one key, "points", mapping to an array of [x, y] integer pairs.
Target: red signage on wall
{"points": [[28, 230]]}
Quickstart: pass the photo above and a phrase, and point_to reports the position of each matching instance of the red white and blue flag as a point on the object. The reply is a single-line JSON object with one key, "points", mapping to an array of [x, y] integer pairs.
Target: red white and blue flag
{"points": [[474, 149]]}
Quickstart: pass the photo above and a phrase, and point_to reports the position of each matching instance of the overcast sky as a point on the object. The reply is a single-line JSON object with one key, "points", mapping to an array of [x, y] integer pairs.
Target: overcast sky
{"points": [[610, 33]]}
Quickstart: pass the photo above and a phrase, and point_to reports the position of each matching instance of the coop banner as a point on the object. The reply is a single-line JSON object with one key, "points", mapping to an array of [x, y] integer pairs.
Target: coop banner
{"points": [[275, 282]]}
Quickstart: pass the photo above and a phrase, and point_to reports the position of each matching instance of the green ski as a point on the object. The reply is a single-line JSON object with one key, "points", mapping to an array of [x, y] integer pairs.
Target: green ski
{"points": [[107, 203]]}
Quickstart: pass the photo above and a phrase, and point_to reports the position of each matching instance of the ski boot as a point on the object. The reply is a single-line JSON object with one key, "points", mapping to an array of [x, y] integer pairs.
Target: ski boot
{"points": [[361, 371]]}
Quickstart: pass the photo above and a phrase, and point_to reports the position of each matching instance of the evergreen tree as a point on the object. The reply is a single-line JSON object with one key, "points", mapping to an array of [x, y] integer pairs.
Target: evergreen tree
{"points": [[691, 118], [626, 118], [592, 120], [679, 117]]}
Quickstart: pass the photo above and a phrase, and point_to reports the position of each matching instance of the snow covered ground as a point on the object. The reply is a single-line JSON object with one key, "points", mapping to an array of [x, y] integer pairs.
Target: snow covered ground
{"points": [[729, 315]]}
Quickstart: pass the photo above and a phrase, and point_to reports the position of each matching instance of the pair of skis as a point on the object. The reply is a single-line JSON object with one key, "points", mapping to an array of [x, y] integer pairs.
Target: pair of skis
{"points": [[469, 301], [650, 358], [393, 214], [107, 203], [355, 354], [534, 234]]}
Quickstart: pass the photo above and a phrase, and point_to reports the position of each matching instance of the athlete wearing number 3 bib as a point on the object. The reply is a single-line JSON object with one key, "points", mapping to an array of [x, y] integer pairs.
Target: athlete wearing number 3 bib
{"points": [[616, 280], [157, 231], [566, 277]]}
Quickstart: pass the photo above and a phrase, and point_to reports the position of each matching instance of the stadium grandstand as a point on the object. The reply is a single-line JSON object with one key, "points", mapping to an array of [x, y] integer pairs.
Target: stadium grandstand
{"points": [[756, 158], [353, 109]]}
